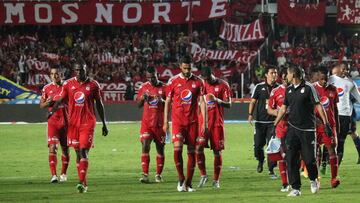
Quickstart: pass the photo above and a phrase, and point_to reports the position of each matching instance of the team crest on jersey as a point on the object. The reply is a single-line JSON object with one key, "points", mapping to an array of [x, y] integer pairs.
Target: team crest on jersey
{"points": [[87, 88], [72, 87], [186, 95], [79, 97], [302, 90], [325, 102], [50, 92], [216, 89], [160, 92], [193, 85], [340, 92]]}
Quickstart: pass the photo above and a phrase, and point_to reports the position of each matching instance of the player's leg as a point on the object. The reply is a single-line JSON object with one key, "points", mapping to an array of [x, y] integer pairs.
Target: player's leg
{"points": [[271, 164], [344, 129], [308, 152], [283, 168], [324, 160], [83, 167], [333, 165], [201, 142], [178, 141], [65, 157], [293, 160], [259, 143], [190, 140], [160, 160], [145, 157], [354, 134], [53, 162], [217, 140], [217, 168]]}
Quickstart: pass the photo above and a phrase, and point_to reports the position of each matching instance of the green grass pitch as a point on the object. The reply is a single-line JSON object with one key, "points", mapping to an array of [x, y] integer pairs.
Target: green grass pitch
{"points": [[114, 171]]}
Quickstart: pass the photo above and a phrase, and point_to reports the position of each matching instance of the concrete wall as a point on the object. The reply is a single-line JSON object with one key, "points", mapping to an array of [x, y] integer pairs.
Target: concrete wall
{"points": [[114, 112]]}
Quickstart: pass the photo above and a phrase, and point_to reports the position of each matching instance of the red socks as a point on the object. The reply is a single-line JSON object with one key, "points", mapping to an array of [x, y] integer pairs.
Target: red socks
{"points": [[200, 159], [190, 167], [159, 163], [217, 166], [65, 163], [179, 162], [334, 166], [83, 166], [283, 174], [145, 160], [52, 163]]}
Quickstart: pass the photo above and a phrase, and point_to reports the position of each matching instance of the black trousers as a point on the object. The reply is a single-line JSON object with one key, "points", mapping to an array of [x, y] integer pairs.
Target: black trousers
{"points": [[300, 143], [262, 135], [345, 123]]}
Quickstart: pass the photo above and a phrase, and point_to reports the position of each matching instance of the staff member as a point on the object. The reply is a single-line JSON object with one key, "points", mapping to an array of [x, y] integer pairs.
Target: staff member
{"points": [[264, 122], [301, 99]]}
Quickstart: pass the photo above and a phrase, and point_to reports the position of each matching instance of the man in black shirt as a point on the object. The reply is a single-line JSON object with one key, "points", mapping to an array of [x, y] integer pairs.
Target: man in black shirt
{"points": [[264, 122], [301, 100]]}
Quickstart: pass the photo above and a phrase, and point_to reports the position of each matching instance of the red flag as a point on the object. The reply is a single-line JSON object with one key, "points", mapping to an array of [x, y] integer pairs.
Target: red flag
{"points": [[301, 14], [348, 12]]}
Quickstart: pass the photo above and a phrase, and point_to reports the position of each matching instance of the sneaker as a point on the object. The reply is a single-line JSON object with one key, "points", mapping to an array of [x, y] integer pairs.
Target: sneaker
{"points": [[273, 175], [203, 180], [81, 188], [260, 167], [54, 179], [335, 182], [181, 187], [216, 184], [294, 193], [285, 188], [158, 178], [144, 179], [190, 188], [314, 186], [63, 178], [323, 169]]}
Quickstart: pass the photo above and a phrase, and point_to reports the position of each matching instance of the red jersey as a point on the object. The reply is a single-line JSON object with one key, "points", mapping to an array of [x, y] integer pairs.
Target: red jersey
{"points": [[153, 115], [185, 94], [81, 97], [277, 97], [220, 89], [328, 98], [53, 90]]}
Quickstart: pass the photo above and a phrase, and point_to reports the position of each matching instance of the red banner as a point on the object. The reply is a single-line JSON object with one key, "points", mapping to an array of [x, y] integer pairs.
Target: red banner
{"points": [[109, 12], [348, 12], [301, 14], [243, 57], [242, 33], [108, 58], [115, 92], [243, 6]]}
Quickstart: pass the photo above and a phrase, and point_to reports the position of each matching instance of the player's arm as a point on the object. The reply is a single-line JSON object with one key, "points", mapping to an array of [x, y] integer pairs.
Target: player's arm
{"points": [[225, 103], [55, 107], [142, 100], [101, 111], [337, 121], [166, 114], [251, 110], [322, 114], [280, 114], [271, 111], [355, 92], [203, 110], [45, 101]]}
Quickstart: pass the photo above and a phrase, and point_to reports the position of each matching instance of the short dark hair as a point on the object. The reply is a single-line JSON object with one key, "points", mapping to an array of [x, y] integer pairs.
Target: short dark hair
{"points": [[297, 71], [186, 59], [151, 69], [268, 67], [323, 70], [206, 70], [283, 71]]}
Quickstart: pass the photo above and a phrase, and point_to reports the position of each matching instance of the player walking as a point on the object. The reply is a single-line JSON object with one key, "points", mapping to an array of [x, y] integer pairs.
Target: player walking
{"points": [[57, 126], [151, 96], [218, 96]]}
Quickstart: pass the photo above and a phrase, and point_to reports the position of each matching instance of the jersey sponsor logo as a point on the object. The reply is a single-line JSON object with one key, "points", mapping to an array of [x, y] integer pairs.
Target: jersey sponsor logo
{"points": [[210, 99], [153, 101], [186, 95], [325, 102], [79, 97], [340, 91]]}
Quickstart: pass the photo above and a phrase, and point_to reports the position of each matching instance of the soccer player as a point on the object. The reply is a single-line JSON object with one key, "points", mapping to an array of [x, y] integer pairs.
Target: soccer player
{"points": [[276, 100], [218, 96], [328, 98], [80, 92], [345, 88], [57, 126], [264, 125], [301, 98], [151, 96], [184, 92]]}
